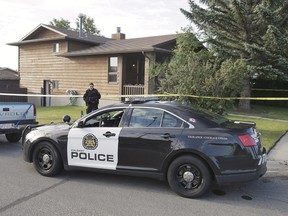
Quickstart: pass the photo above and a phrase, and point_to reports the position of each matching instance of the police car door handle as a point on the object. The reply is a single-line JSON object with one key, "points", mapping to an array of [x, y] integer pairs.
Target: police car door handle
{"points": [[109, 134], [167, 135]]}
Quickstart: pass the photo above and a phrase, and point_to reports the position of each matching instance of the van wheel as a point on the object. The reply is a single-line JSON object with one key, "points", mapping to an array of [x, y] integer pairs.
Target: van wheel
{"points": [[46, 159], [14, 137], [189, 177]]}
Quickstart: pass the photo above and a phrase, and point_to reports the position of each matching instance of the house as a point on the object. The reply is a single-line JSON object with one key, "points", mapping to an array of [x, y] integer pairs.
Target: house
{"points": [[53, 61], [9, 83]]}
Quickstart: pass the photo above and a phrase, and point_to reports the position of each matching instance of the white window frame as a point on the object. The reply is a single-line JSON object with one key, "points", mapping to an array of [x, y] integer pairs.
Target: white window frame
{"points": [[56, 48], [112, 68]]}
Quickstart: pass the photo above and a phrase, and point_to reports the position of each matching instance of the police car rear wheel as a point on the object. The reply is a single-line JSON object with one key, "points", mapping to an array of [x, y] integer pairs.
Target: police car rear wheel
{"points": [[46, 159], [189, 177]]}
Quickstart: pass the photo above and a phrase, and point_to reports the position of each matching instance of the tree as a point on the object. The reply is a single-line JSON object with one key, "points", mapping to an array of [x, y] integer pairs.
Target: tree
{"points": [[62, 23], [194, 71], [253, 31], [88, 25]]}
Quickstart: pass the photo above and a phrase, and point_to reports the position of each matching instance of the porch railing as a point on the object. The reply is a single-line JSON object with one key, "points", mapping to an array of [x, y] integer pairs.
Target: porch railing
{"points": [[133, 90]]}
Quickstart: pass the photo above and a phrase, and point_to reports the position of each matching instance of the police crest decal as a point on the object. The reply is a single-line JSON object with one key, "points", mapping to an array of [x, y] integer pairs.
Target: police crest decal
{"points": [[90, 142]]}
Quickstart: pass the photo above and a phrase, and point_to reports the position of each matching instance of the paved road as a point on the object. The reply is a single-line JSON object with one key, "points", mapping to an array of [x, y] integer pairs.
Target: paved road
{"points": [[25, 192]]}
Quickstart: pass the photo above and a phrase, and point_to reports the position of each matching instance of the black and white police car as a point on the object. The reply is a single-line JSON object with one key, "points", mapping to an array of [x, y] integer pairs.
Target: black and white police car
{"points": [[188, 147]]}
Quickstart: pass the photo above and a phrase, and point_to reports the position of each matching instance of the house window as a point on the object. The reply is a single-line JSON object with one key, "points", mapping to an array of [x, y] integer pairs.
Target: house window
{"points": [[56, 47], [112, 69]]}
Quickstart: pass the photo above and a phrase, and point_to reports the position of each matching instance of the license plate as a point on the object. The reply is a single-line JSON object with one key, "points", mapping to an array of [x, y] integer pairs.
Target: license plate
{"points": [[6, 126]]}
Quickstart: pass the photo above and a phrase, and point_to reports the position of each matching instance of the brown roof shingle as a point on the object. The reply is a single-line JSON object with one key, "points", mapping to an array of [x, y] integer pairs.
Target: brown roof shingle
{"points": [[145, 44], [101, 45], [63, 34]]}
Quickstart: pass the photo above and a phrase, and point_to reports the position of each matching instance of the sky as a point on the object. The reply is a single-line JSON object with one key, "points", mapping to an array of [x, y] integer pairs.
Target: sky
{"points": [[137, 18]]}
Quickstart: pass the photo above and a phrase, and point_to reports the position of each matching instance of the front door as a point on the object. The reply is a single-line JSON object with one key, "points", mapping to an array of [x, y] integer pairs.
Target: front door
{"points": [[134, 67]]}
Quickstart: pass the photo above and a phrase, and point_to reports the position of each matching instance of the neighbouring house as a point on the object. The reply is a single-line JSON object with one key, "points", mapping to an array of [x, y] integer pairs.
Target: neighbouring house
{"points": [[9, 84], [53, 61]]}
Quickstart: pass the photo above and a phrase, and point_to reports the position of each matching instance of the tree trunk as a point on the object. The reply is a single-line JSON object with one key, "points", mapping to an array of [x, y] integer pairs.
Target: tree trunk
{"points": [[246, 92]]}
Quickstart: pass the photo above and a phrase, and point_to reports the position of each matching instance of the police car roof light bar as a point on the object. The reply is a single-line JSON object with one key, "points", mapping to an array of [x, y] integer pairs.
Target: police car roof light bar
{"points": [[133, 100]]}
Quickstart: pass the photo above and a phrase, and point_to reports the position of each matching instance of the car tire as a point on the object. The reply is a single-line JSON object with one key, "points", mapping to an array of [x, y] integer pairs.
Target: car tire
{"points": [[14, 137], [46, 159], [189, 177]]}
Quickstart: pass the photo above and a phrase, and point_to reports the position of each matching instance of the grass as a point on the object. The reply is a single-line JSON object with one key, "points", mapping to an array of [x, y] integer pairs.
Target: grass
{"points": [[271, 130], [265, 111], [46, 115]]}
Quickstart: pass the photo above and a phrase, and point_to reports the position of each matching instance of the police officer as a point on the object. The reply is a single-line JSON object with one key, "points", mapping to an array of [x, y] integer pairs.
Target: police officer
{"points": [[91, 98]]}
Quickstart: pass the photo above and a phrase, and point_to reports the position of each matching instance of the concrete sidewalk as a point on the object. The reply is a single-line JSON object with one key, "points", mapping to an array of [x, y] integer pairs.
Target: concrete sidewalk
{"points": [[278, 155]]}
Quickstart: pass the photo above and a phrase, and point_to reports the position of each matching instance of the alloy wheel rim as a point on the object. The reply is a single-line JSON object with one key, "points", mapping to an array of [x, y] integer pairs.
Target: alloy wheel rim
{"points": [[188, 177]]}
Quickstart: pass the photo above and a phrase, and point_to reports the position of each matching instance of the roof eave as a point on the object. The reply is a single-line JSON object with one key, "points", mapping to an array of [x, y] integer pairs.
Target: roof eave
{"points": [[35, 41], [76, 54], [51, 39]]}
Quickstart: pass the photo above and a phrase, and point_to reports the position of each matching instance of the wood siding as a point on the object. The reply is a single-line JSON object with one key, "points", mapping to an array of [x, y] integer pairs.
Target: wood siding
{"points": [[39, 63], [46, 34]]}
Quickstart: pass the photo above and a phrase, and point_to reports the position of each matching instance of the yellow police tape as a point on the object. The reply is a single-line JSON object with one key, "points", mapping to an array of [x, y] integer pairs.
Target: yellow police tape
{"points": [[153, 95]]}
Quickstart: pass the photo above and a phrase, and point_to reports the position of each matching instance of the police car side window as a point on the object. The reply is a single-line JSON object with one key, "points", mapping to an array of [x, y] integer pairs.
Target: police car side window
{"points": [[94, 121], [171, 121], [144, 117], [110, 118]]}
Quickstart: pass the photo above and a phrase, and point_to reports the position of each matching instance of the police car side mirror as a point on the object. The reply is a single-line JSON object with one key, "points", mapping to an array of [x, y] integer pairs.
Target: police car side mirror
{"points": [[66, 118], [80, 124]]}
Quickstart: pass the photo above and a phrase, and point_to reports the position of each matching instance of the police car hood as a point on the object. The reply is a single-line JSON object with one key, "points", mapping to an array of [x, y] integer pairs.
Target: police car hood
{"points": [[53, 128]]}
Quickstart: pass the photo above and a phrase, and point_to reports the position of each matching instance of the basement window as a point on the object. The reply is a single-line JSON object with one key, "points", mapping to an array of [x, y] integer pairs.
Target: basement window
{"points": [[56, 47], [112, 69]]}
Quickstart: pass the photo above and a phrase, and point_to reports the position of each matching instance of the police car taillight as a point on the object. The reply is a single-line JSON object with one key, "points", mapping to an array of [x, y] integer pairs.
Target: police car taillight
{"points": [[247, 140]]}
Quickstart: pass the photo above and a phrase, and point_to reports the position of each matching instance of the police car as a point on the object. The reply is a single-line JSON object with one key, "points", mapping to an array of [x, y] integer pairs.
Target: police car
{"points": [[188, 147]]}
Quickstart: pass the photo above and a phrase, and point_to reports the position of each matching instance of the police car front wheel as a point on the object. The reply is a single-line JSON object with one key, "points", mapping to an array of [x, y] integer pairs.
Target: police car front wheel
{"points": [[46, 159], [189, 177]]}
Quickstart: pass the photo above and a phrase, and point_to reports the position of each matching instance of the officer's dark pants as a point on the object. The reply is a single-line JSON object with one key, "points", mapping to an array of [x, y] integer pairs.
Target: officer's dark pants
{"points": [[91, 107]]}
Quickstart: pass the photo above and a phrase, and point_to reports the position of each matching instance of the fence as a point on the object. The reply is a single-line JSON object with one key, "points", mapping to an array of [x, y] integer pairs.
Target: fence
{"points": [[4, 98]]}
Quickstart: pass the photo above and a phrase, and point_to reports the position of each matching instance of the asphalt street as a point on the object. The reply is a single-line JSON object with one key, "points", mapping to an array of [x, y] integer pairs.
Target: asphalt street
{"points": [[25, 192]]}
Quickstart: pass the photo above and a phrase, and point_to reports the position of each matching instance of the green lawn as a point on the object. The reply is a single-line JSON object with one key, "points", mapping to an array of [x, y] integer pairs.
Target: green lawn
{"points": [[271, 130], [46, 115], [265, 111]]}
